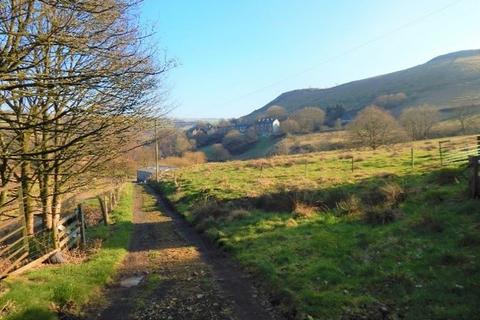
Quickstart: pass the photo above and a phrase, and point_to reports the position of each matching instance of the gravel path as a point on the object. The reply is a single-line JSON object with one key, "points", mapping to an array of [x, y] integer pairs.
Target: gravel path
{"points": [[172, 273]]}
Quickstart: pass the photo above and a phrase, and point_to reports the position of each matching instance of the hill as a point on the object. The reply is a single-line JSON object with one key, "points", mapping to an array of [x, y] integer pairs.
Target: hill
{"points": [[446, 81]]}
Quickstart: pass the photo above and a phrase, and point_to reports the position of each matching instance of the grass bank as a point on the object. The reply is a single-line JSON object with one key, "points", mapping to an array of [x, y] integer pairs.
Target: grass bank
{"points": [[40, 294], [384, 241]]}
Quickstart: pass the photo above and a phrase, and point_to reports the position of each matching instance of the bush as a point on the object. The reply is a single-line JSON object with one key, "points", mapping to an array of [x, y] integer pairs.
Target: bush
{"points": [[348, 206], [236, 214], [382, 216], [211, 209], [446, 177], [219, 153], [392, 193], [303, 210], [277, 202]]}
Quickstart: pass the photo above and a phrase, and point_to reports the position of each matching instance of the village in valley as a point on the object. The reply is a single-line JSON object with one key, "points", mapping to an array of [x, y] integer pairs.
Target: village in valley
{"points": [[210, 160]]}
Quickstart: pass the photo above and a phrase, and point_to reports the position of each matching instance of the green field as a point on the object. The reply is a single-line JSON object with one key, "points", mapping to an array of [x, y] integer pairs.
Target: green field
{"points": [[44, 293], [384, 241]]}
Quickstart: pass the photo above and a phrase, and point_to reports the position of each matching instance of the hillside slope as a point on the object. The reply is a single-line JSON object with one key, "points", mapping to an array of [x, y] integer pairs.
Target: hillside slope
{"points": [[446, 81]]}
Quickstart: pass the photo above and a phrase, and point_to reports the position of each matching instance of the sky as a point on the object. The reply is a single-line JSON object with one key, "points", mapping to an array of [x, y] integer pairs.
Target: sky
{"points": [[236, 56]]}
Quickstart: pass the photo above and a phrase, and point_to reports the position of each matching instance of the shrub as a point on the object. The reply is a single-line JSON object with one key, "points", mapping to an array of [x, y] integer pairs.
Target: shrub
{"points": [[236, 214], [382, 216], [350, 205], [303, 210], [277, 202], [392, 193], [210, 209], [446, 177]]}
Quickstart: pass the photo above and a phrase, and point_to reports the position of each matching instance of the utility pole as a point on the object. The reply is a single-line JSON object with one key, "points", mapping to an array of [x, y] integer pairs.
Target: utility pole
{"points": [[156, 152]]}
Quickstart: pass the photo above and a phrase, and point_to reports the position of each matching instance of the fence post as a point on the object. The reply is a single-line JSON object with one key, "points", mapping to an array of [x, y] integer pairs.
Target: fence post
{"points": [[352, 163], [478, 145], [81, 219], [412, 159], [440, 152], [103, 208], [474, 183]]}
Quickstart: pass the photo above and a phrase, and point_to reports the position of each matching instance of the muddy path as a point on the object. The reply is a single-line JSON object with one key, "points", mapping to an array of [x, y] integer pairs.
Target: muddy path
{"points": [[171, 272]]}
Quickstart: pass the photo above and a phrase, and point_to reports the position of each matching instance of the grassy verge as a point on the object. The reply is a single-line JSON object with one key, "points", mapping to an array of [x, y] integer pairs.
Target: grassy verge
{"points": [[35, 294], [386, 241]]}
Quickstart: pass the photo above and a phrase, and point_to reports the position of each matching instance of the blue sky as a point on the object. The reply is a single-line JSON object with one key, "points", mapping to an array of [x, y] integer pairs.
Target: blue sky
{"points": [[236, 56]]}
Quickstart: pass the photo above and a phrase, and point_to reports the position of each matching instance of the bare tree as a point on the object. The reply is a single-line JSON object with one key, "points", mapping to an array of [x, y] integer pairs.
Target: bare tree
{"points": [[418, 121], [76, 78], [276, 112], [309, 119], [464, 115], [373, 127]]}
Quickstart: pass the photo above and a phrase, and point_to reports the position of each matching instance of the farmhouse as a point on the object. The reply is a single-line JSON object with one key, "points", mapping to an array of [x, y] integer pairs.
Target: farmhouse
{"points": [[267, 126]]}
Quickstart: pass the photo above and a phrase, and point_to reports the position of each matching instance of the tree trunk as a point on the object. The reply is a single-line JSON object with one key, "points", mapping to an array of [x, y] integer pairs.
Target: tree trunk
{"points": [[25, 184]]}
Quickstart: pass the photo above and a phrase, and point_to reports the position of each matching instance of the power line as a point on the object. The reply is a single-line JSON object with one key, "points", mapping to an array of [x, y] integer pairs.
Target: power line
{"points": [[346, 52]]}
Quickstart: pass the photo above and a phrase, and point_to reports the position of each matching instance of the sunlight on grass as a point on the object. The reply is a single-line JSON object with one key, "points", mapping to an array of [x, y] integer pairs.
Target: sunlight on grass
{"points": [[423, 265], [73, 285]]}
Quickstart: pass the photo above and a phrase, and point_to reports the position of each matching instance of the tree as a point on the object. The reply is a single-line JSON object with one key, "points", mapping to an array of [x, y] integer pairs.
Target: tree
{"points": [[276, 112], [289, 126], [464, 116], [236, 143], [76, 82], [373, 127], [418, 121], [390, 101], [219, 153], [334, 113], [309, 119]]}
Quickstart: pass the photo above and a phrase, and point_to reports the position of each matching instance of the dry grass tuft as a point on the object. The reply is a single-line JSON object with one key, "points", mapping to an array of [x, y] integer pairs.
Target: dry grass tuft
{"points": [[303, 210]]}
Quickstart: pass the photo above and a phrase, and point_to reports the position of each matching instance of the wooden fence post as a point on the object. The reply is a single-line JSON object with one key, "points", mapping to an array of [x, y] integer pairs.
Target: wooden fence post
{"points": [[478, 145], [474, 181], [81, 220], [412, 159], [353, 162], [440, 152], [103, 208]]}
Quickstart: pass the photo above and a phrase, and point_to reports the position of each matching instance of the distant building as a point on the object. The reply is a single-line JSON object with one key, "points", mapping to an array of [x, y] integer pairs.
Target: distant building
{"points": [[267, 126], [148, 173]]}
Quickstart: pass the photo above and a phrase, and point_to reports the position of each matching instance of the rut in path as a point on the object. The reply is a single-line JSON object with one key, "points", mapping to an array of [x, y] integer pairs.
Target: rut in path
{"points": [[181, 276]]}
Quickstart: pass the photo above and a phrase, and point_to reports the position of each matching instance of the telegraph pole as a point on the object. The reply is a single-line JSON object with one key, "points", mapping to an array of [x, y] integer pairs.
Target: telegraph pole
{"points": [[156, 152]]}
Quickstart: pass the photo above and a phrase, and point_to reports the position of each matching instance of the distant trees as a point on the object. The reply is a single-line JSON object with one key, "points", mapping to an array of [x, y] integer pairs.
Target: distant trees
{"points": [[373, 127], [219, 153], [173, 142], [334, 114], [309, 119], [390, 101], [236, 142], [418, 121], [277, 112], [290, 126], [464, 115]]}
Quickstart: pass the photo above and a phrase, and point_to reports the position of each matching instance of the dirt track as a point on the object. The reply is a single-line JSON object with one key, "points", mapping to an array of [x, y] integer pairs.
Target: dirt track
{"points": [[182, 276]]}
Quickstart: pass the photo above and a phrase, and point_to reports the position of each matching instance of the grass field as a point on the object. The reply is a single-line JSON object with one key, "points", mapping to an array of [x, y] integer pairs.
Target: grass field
{"points": [[41, 294], [384, 241]]}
